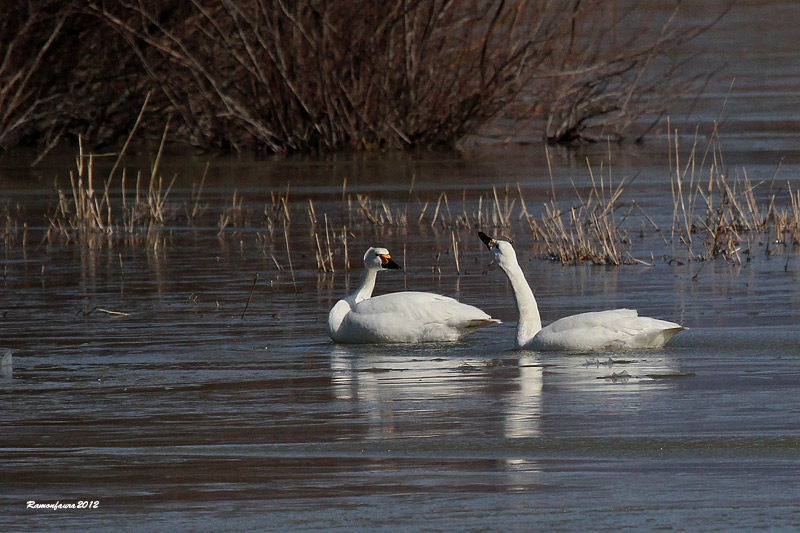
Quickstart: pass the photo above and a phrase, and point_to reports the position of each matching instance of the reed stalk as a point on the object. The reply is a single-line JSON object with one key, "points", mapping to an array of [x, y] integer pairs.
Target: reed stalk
{"points": [[455, 252]]}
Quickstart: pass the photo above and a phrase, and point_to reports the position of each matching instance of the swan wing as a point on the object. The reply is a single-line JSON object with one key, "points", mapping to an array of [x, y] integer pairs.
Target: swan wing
{"points": [[616, 328], [412, 317], [613, 318]]}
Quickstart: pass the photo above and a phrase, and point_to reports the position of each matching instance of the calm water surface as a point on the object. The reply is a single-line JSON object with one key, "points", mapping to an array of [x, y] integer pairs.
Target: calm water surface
{"points": [[185, 414]]}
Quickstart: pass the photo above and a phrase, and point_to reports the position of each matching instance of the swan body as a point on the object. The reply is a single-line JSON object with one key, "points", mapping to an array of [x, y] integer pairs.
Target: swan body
{"points": [[400, 317], [585, 332]]}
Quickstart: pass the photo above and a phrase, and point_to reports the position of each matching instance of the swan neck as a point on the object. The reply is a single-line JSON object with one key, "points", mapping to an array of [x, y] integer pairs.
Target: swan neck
{"points": [[339, 311], [365, 287], [530, 323]]}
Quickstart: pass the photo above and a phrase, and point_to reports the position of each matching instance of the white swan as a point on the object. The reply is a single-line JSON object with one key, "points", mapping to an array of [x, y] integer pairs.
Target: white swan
{"points": [[600, 330], [407, 317]]}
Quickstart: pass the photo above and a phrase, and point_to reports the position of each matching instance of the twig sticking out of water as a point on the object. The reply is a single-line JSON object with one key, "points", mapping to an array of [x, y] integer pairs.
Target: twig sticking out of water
{"points": [[650, 220], [312, 213], [250, 297], [10, 232], [288, 252], [277, 265], [196, 210], [320, 258], [502, 215], [130, 136], [106, 311], [329, 252], [455, 253], [232, 215], [346, 254]]}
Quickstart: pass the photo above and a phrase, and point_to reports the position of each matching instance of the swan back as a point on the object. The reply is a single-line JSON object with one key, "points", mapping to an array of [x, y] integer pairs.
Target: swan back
{"points": [[600, 330]]}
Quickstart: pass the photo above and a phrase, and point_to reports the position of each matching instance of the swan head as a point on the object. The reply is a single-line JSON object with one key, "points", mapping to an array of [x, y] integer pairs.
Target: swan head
{"points": [[379, 259], [502, 251]]}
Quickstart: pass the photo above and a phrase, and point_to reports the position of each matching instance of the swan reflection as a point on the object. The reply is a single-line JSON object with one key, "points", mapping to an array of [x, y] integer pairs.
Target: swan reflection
{"points": [[403, 392]]}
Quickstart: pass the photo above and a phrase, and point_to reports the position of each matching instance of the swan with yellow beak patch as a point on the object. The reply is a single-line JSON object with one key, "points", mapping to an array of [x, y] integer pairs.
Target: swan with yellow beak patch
{"points": [[399, 317]]}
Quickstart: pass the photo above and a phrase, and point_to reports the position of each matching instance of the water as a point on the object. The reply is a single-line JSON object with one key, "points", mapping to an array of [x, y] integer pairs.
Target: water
{"points": [[185, 416], [196, 411]]}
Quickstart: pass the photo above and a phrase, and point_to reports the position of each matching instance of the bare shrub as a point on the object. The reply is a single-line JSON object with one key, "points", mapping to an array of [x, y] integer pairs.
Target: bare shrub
{"points": [[28, 31], [64, 71], [612, 67], [324, 75], [317, 75]]}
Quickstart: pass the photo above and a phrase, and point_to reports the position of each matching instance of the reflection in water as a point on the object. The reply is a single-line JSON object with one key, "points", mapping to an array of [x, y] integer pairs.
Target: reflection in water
{"points": [[523, 407], [7, 364], [524, 402], [514, 409], [506, 397], [393, 391]]}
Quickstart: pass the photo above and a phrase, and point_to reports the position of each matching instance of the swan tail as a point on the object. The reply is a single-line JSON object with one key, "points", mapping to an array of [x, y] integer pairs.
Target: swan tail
{"points": [[471, 326], [482, 322], [661, 337], [671, 332]]}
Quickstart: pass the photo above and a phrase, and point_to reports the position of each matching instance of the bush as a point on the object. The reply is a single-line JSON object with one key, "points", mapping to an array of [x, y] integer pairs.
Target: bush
{"points": [[319, 75]]}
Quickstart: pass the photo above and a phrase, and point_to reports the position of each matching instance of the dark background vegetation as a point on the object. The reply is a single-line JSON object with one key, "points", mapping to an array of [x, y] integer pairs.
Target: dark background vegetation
{"points": [[321, 75]]}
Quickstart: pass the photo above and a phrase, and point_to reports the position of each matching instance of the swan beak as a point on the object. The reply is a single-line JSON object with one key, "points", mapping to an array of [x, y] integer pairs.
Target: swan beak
{"points": [[488, 241], [388, 263]]}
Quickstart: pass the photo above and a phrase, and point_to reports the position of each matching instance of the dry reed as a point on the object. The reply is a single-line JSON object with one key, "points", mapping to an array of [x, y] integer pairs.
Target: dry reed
{"points": [[717, 213], [719, 216], [588, 231]]}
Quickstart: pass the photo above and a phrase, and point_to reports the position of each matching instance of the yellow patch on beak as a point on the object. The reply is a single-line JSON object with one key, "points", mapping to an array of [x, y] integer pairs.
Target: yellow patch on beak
{"points": [[385, 258]]}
